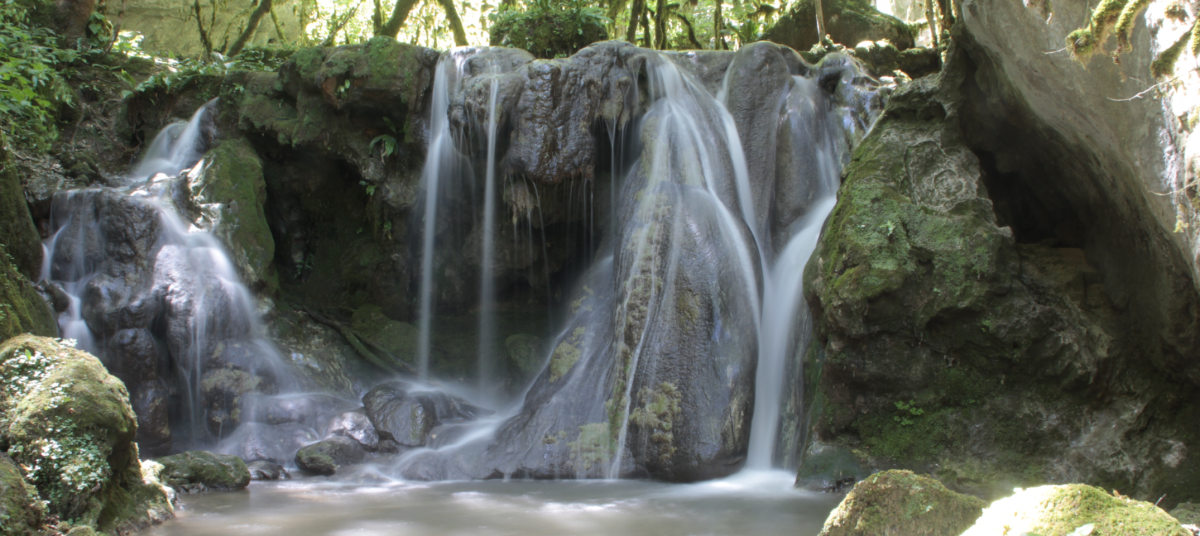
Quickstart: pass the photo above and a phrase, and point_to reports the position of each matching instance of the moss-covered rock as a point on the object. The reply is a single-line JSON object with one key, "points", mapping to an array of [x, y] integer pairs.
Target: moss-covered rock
{"points": [[21, 509], [524, 353], [326, 456], [847, 22], [1187, 513], [229, 190], [900, 502], [1071, 509], [70, 422], [547, 34], [20, 236], [956, 340], [198, 470], [22, 309]]}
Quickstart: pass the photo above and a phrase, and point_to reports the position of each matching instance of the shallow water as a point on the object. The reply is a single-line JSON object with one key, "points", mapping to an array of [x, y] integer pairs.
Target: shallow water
{"points": [[761, 503]]}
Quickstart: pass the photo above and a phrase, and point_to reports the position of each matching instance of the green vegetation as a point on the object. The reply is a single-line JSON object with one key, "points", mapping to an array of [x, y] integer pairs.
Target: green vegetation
{"points": [[549, 29], [31, 86]]}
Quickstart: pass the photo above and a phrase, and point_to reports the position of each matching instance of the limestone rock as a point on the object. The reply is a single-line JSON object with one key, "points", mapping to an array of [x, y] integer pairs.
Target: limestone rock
{"points": [[1073, 509], [900, 502], [198, 470]]}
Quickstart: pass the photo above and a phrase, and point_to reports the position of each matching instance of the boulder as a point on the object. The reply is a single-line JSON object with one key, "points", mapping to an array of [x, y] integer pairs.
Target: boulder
{"points": [[407, 417], [326, 456], [198, 471], [20, 507], [67, 417], [1073, 509], [398, 338], [276, 443], [900, 502]]}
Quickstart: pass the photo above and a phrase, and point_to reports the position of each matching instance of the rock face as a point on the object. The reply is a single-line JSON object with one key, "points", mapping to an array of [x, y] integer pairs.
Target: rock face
{"points": [[197, 471], [86, 460], [21, 238], [406, 417], [847, 22], [22, 309], [899, 502], [972, 314], [325, 456], [1073, 509]]}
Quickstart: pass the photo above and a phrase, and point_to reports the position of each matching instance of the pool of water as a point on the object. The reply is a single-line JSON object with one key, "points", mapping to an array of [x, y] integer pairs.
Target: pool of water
{"points": [[762, 504]]}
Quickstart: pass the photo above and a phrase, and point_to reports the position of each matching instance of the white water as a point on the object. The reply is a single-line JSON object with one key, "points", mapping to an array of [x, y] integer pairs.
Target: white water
{"points": [[439, 155], [786, 326], [487, 286]]}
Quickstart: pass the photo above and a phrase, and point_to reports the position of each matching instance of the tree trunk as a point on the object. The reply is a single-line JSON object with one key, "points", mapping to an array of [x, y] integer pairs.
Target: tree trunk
{"points": [[399, 14], [932, 21], [377, 18], [691, 32], [820, 22], [719, 44], [660, 25], [203, 33], [647, 37], [264, 7], [278, 27], [635, 16], [456, 25]]}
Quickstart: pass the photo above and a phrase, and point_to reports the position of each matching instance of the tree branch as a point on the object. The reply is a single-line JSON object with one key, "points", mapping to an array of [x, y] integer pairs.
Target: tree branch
{"points": [[264, 7], [400, 12], [456, 25]]}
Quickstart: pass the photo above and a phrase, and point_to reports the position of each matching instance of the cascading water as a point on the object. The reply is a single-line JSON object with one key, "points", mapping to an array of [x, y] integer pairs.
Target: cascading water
{"points": [[786, 325], [487, 285], [157, 299]]}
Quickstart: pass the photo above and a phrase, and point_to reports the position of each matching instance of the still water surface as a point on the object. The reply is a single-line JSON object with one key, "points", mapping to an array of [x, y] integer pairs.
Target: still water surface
{"points": [[758, 503]]}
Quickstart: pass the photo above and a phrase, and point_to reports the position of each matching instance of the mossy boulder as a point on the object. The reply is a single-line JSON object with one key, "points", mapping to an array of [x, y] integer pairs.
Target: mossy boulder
{"points": [[70, 421], [900, 502], [524, 353], [20, 507], [230, 192], [326, 456], [547, 33], [1073, 509], [22, 309], [1187, 513], [847, 22], [202, 471]]}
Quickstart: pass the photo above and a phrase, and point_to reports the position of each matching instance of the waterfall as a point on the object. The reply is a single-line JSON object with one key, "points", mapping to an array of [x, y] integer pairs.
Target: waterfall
{"points": [[158, 300], [786, 326], [487, 286]]}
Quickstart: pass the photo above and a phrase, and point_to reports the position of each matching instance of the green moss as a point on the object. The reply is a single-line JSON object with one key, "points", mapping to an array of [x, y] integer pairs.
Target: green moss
{"points": [[17, 230], [399, 338], [1065, 510], [21, 509], [231, 193], [594, 446], [900, 502], [656, 416], [566, 354]]}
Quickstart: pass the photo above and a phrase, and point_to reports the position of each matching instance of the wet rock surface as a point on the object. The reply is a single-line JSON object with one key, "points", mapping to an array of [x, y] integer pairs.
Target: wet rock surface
{"points": [[264, 470]]}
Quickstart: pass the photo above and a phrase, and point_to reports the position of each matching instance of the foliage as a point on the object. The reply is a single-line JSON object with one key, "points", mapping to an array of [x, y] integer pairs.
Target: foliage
{"points": [[31, 88], [549, 30], [180, 73]]}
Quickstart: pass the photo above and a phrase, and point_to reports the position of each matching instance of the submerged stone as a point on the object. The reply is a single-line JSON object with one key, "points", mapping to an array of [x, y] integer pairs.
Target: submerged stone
{"points": [[197, 471], [901, 503], [264, 470]]}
